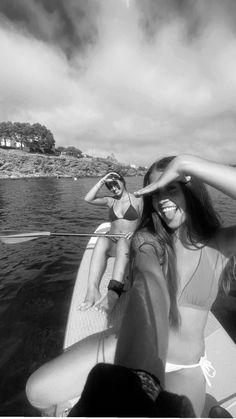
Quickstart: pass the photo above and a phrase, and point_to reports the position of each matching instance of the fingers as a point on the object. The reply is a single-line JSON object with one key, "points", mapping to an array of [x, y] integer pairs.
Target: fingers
{"points": [[112, 173], [101, 309], [147, 190], [85, 305], [108, 175], [99, 306], [88, 304], [128, 236]]}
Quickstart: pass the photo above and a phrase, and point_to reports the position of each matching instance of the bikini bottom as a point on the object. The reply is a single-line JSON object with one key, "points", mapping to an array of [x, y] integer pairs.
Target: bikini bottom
{"points": [[116, 239], [207, 368]]}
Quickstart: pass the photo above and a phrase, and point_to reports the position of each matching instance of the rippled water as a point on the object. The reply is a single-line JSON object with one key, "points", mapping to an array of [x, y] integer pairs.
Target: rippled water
{"points": [[37, 276]]}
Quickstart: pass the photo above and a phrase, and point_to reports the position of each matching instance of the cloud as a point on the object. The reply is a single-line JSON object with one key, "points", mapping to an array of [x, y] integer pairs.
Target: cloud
{"points": [[153, 79]]}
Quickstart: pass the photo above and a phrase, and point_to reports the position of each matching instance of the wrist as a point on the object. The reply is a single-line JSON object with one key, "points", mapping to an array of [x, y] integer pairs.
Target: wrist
{"points": [[99, 185]]}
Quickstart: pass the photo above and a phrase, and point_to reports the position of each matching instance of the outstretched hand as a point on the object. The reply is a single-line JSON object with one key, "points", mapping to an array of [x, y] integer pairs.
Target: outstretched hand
{"points": [[108, 177], [173, 172]]}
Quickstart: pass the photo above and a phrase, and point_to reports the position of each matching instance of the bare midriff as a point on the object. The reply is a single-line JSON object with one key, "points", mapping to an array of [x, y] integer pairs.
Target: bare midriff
{"points": [[186, 345], [123, 226]]}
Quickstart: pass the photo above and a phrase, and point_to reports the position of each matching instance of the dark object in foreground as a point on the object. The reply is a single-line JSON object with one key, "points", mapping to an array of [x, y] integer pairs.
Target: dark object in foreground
{"points": [[219, 412], [113, 390]]}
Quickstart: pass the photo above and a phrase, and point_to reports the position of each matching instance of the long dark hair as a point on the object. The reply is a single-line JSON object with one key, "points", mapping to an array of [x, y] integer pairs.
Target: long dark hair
{"points": [[202, 221], [201, 224]]}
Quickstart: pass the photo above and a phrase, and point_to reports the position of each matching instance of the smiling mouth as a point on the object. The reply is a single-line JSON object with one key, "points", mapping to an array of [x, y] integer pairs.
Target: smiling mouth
{"points": [[115, 190], [169, 212]]}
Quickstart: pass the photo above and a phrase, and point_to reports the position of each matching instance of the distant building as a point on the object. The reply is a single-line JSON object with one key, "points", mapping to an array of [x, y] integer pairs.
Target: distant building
{"points": [[85, 157], [10, 143]]}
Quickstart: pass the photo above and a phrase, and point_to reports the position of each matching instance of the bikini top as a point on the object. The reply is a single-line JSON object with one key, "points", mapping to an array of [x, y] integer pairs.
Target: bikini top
{"points": [[130, 214], [202, 287]]}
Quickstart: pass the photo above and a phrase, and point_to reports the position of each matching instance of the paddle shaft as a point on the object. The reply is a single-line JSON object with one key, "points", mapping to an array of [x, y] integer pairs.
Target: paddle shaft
{"points": [[89, 234], [22, 237]]}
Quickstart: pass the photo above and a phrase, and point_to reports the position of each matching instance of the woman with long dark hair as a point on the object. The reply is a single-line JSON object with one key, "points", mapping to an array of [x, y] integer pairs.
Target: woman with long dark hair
{"points": [[181, 255], [179, 258], [124, 214]]}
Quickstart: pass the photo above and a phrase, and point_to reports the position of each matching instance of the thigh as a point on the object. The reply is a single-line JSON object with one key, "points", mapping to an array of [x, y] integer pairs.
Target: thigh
{"points": [[122, 248], [189, 382], [64, 377], [103, 244]]}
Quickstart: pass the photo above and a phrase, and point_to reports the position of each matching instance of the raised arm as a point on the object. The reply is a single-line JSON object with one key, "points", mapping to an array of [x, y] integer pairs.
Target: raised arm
{"points": [[91, 196], [220, 176]]}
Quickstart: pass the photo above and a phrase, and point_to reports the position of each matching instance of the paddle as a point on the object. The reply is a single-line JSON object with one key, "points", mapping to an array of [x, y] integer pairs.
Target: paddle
{"points": [[9, 237]]}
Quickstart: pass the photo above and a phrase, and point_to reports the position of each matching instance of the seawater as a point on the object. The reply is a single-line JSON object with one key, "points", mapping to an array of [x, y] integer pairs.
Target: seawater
{"points": [[37, 277]]}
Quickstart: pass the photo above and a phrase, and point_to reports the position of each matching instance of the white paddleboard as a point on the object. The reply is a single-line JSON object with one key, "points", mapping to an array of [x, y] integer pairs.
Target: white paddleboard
{"points": [[221, 351], [220, 348]]}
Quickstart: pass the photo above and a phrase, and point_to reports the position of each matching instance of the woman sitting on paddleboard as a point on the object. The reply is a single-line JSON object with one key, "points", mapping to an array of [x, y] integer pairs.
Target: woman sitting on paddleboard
{"points": [[181, 257], [124, 214], [180, 253]]}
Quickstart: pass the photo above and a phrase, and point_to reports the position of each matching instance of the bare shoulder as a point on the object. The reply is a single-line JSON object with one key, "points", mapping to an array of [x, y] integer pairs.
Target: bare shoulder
{"points": [[226, 240], [110, 201], [137, 201]]}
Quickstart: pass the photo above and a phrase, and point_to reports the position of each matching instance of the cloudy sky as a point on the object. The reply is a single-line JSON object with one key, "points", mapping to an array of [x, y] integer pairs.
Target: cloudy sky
{"points": [[137, 78]]}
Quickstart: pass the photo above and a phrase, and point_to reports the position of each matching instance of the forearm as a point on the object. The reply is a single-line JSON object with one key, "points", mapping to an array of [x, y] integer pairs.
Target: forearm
{"points": [[91, 195], [220, 176]]}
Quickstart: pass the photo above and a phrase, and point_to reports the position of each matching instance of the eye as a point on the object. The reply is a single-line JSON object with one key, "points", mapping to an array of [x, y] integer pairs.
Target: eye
{"points": [[173, 187]]}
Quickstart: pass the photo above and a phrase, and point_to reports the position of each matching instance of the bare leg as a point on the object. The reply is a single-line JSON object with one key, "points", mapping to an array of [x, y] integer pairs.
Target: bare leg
{"points": [[121, 260], [120, 264], [97, 268], [63, 378], [191, 383]]}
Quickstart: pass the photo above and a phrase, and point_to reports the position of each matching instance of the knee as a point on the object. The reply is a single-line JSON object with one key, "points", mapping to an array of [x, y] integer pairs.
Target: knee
{"points": [[35, 392]]}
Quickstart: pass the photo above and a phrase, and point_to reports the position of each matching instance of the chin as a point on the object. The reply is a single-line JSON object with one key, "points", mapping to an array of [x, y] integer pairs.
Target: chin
{"points": [[173, 224]]}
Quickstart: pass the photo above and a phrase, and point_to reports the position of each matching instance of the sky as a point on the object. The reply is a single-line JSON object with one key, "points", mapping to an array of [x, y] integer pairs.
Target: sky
{"points": [[141, 79]]}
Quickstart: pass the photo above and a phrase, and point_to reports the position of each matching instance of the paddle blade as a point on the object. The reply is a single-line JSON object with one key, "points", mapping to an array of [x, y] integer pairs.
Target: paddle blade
{"points": [[9, 237]]}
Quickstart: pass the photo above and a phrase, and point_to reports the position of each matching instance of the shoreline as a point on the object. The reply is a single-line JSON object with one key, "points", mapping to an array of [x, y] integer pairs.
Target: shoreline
{"points": [[55, 177], [18, 164]]}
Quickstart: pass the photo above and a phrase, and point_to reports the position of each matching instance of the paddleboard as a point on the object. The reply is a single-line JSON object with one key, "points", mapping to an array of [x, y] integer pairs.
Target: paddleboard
{"points": [[220, 348]]}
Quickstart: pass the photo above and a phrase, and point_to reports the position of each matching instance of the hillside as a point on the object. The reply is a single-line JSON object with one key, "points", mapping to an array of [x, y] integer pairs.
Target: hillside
{"points": [[18, 164]]}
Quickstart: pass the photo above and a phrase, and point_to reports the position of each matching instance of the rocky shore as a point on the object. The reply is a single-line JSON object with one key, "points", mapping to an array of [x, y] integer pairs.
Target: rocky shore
{"points": [[19, 164]]}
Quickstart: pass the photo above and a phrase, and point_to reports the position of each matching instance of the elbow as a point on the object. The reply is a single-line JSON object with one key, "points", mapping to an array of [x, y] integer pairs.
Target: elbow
{"points": [[86, 199]]}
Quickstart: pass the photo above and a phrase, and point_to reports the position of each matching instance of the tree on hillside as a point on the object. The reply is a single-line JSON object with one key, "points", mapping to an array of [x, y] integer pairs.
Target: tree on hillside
{"points": [[36, 137], [70, 151], [6, 131]]}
